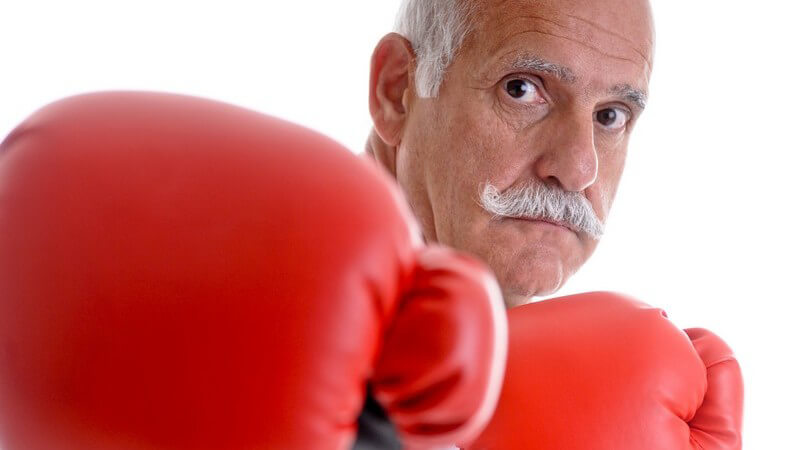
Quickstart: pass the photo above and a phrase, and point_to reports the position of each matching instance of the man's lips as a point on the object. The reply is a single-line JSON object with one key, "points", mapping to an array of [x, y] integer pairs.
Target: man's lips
{"points": [[541, 220]]}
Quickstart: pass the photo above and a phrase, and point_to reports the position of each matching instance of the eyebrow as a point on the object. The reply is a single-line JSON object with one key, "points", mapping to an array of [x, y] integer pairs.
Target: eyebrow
{"points": [[530, 62], [565, 74], [630, 93]]}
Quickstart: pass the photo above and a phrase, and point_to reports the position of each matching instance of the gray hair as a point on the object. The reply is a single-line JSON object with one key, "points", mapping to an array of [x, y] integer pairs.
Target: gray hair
{"points": [[436, 29], [540, 201]]}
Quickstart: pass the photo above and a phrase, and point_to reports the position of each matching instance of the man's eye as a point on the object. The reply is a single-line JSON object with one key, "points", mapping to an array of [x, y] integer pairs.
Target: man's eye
{"points": [[523, 90], [612, 118]]}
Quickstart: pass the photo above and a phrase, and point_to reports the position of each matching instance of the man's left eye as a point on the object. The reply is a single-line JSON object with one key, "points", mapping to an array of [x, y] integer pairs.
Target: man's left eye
{"points": [[612, 118]]}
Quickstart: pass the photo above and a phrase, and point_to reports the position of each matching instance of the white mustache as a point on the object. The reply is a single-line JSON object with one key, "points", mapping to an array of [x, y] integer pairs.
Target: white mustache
{"points": [[540, 201]]}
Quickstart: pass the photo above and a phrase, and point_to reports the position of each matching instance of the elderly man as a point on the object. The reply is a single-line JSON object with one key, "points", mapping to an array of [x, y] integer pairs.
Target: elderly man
{"points": [[507, 125], [506, 122]]}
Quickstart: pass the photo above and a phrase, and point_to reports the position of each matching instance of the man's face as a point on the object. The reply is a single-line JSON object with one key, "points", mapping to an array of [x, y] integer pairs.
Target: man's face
{"points": [[541, 92]]}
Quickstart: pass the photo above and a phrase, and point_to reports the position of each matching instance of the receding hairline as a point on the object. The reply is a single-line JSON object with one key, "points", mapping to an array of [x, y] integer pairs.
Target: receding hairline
{"points": [[477, 20]]}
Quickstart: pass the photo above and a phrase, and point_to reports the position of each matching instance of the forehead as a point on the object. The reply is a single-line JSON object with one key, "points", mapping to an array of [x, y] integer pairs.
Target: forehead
{"points": [[580, 33]]}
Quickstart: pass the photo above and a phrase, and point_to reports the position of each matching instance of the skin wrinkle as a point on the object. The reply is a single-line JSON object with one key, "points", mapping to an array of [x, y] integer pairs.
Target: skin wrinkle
{"points": [[596, 49], [476, 131], [586, 36], [609, 31], [503, 114]]}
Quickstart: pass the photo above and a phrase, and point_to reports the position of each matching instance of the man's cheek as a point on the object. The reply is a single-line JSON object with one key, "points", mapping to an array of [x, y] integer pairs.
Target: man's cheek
{"points": [[499, 155], [601, 197], [604, 190]]}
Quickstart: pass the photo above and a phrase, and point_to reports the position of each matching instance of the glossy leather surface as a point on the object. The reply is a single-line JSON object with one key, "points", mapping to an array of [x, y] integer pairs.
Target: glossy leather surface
{"points": [[178, 273]]}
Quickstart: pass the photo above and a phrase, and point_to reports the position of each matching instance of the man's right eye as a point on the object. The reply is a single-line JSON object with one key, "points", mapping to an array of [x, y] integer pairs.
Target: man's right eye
{"points": [[523, 90]]}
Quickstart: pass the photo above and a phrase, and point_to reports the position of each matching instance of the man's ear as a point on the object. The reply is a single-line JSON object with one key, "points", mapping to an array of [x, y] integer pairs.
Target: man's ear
{"points": [[390, 79]]}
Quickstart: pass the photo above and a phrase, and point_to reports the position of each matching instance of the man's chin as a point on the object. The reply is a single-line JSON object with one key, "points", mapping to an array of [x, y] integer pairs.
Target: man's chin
{"points": [[515, 294], [518, 297], [514, 300]]}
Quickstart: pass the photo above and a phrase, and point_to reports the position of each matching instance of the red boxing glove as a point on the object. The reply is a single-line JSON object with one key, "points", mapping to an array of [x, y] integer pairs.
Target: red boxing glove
{"points": [[718, 422], [178, 273], [601, 371]]}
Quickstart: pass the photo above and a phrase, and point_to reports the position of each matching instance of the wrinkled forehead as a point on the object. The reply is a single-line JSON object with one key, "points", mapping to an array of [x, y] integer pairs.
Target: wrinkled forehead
{"points": [[620, 29]]}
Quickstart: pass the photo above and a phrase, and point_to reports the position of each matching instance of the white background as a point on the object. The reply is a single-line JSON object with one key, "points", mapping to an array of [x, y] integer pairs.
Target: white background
{"points": [[705, 225]]}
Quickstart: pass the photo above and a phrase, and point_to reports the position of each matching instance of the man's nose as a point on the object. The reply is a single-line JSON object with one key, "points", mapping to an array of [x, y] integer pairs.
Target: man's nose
{"points": [[569, 158]]}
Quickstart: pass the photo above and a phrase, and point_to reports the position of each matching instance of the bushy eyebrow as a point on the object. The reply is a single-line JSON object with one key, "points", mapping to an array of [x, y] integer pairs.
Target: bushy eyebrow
{"points": [[631, 94], [531, 62]]}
